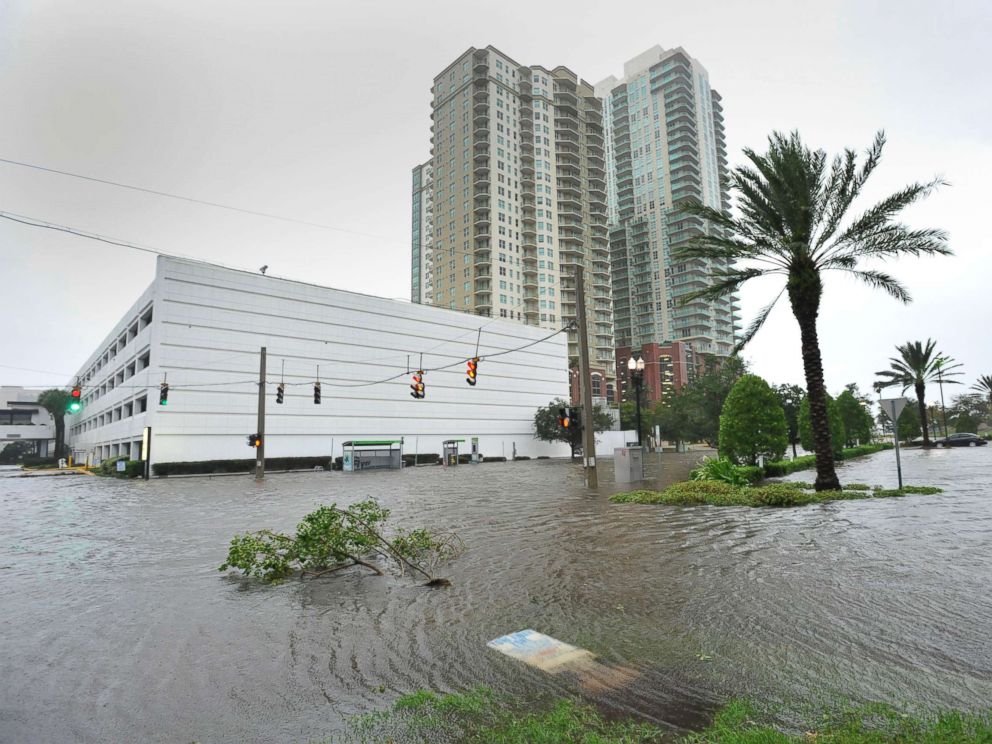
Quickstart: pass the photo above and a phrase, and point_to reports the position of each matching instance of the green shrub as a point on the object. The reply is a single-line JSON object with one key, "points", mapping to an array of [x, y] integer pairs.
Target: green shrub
{"points": [[109, 466], [425, 458], [922, 490], [721, 493], [780, 494], [857, 487], [637, 497], [711, 469], [521, 457], [862, 450], [752, 423], [784, 467], [807, 462], [753, 473], [883, 493], [206, 467], [39, 462]]}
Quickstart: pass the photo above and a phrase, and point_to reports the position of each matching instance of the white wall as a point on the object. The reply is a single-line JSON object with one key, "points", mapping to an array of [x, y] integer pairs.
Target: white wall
{"points": [[209, 323]]}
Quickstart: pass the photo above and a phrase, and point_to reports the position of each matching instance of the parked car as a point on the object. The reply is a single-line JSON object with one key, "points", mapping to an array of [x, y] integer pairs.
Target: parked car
{"points": [[961, 440]]}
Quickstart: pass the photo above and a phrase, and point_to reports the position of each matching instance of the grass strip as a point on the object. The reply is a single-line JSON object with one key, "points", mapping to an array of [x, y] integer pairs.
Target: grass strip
{"points": [[481, 717], [718, 493]]}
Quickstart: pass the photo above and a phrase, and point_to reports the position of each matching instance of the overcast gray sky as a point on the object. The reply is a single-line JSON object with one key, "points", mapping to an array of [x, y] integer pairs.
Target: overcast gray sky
{"points": [[318, 110]]}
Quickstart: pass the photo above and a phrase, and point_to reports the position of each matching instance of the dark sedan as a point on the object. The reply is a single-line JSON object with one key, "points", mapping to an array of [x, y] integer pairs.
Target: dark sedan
{"points": [[961, 440]]}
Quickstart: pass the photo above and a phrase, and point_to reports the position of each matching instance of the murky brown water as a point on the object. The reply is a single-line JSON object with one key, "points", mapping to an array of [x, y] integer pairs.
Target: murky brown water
{"points": [[116, 626]]}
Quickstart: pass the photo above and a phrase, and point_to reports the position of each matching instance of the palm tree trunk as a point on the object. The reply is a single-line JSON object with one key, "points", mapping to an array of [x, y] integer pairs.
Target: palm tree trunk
{"points": [[59, 436], [826, 476], [921, 394]]}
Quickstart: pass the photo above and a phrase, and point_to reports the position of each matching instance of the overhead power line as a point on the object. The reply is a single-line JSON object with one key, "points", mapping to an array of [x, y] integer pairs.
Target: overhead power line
{"points": [[192, 200], [35, 222]]}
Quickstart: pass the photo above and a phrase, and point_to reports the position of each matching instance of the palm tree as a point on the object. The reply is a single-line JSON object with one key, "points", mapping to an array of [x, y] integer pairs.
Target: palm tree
{"points": [[984, 386], [56, 401], [915, 366], [792, 223]]}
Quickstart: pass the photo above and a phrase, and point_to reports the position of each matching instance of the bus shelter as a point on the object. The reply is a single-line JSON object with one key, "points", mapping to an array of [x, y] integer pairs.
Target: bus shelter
{"points": [[450, 452], [372, 454]]}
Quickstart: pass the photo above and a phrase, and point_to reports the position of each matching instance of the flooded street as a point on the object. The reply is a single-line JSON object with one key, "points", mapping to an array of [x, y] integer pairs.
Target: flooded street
{"points": [[117, 626]]}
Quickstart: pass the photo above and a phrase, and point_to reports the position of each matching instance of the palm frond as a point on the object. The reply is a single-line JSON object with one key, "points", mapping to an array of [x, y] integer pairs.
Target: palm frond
{"points": [[878, 220], [845, 185], [726, 282], [983, 385], [881, 280], [756, 324], [890, 241]]}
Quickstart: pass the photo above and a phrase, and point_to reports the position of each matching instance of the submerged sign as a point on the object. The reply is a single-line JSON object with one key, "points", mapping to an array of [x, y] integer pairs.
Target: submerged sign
{"points": [[541, 651], [556, 657]]}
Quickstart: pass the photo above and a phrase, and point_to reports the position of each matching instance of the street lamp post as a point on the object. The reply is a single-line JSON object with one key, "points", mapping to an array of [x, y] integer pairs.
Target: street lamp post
{"points": [[636, 368]]}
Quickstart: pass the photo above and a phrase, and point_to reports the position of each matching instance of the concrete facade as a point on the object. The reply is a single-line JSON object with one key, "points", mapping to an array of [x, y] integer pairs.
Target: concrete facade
{"points": [[518, 190], [665, 145], [22, 419], [200, 327], [422, 236]]}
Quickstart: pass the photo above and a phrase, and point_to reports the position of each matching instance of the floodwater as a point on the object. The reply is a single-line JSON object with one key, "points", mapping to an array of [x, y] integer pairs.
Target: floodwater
{"points": [[115, 624]]}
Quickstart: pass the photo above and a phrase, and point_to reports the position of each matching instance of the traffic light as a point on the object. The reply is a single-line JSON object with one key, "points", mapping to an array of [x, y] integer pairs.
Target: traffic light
{"points": [[75, 400], [316, 393], [417, 388], [473, 371], [254, 440], [280, 392], [575, 418], [564, 418], [163, 394]]}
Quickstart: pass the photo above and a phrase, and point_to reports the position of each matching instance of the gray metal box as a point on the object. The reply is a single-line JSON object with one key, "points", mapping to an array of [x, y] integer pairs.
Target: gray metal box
{"points": [[628, 464]]}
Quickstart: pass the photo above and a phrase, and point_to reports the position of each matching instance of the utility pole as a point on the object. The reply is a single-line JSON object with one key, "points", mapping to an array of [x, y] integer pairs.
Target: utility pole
{"points": [[260, 450], [585, 383]]}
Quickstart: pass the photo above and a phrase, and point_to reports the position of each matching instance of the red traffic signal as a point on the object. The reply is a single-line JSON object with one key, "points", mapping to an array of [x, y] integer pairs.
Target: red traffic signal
{"points": [[473, 371], [417, 387], [75, 400]]}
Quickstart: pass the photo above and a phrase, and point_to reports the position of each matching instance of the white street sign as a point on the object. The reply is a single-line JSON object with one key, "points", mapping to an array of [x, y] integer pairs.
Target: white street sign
{"points": [[893, 407]]}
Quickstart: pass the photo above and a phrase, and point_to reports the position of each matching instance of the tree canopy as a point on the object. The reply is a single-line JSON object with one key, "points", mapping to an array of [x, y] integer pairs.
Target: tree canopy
{"points": [[838, 436], [752, 424], [547, 428]]}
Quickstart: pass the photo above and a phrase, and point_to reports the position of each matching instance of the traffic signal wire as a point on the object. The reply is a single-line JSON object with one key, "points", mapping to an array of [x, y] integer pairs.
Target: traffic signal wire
{"points": [[179, 197], [224, 383]]}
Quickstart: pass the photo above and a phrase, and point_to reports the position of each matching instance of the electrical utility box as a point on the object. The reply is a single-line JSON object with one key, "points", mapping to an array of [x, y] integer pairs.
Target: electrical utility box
{"points": [[628, 464]]}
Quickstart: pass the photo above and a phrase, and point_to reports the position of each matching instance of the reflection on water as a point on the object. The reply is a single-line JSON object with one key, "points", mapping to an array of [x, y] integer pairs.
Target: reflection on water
{"points": [[115, 616]]}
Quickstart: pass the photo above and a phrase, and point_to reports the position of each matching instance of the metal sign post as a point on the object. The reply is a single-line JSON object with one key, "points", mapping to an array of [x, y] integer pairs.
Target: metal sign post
{"points": [[146, 452], [893, 407]]}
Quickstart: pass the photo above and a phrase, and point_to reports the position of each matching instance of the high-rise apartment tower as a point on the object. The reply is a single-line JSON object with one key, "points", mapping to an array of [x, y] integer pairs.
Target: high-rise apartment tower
{"points": [[517, 184], [665, 145]]}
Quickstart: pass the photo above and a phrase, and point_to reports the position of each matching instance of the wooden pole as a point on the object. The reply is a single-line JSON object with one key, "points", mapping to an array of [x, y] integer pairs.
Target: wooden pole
{"points": [[260, 450], [585, 383]]}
